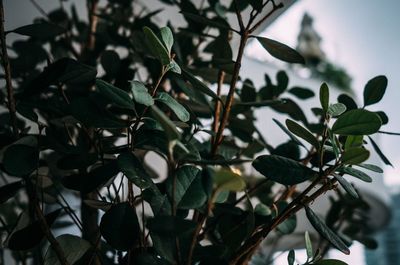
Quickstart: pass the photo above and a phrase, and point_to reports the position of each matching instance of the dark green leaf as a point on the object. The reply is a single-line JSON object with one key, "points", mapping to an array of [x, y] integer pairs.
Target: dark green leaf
{"points": [[292, 137], [283, 170], [302, 132], [346, 186], [357, 122], [291, 257], [380, 153], [110, 61], [353, 141], [120, 226], [42, 30], [348, 101], [261, 103], [281, 51], [174, 67], [170, 226], [9, 190], [375, 89], [184, 178], [20, 160], [88, 182], [301, 92], [324, 96], [31, 235], [90, 114], [177, 108], [288, 226], [292, 109], [133, 170], [141, 94], [73, 247], [336, 109], [156, 47], [383, 116], [206, 21], [355, 155], [117, 96], [168, 126], [325, 231], [355, 173], [371, 167], [197, 84], [167, 38]]}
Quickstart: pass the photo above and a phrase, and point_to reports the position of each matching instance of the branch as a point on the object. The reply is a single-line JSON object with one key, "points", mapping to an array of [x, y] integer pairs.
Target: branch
{"points": [[217, 113], [263, 19], [7, 72]]}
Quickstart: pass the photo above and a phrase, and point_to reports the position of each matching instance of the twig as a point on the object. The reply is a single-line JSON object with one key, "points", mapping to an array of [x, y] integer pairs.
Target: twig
{"points": [[217, 113], [262, 20], [7, 72], [39, 8]]}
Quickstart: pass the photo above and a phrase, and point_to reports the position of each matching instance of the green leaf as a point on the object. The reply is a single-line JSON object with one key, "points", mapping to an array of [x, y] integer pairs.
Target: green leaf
{"points": [[283, 170], [20, 160], [42, 30], [73, 247], [197, 84], [353, 141], [288, 226], [206, 21], [177, 108], [355, 155], [292, 137], [111, 62], [291, 257], [371, 167], [184, 177], [88, 182], [379, 152], [281, 51], [118, 96], [301, 92], [226, 180], [31, 235], [120, 226], [302, 132], [141, 94], [336, 109], [355, 173], [330, 262], [174, 67], [375, 89], [357, 122], [90, 114], [309, 248], [133, 170], [9, 190], [167, 38], [324, 96], [325, 231], [156, 47], [170, 226], [168, 126], [261, 103], [346, 186]]}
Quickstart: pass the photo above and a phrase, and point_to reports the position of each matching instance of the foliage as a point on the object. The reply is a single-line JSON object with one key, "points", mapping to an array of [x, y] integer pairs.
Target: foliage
{"points": [[91, 100]]}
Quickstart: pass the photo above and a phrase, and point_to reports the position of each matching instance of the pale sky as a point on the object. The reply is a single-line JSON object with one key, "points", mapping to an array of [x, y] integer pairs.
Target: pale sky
{"points": [[363, 37]]}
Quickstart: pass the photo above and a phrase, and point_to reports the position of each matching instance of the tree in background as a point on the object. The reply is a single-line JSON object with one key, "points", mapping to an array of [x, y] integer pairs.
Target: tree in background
{"points": [[87, 101]]}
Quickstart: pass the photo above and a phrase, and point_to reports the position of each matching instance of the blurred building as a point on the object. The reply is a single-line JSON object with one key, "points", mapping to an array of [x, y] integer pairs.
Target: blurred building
{"points": [[388, 251]]}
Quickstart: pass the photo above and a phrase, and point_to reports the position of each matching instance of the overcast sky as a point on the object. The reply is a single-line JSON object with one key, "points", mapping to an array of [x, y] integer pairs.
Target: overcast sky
{"points": [[364, 38]]}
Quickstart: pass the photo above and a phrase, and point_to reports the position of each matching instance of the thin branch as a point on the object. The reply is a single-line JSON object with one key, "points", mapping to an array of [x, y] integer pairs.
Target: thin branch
{"points": [[7, 72], [263, 19], [217, 112], [39, 8]]}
